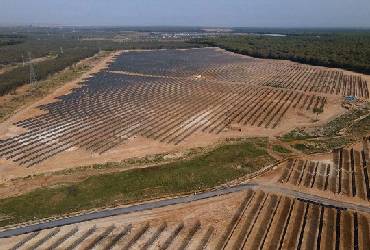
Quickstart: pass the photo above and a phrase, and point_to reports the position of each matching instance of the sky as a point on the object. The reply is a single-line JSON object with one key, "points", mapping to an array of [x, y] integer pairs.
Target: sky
{"points": [[211, 13]]}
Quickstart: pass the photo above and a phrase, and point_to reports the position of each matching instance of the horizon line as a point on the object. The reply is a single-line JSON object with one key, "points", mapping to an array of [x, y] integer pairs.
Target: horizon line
{"points": [[180, 26]]}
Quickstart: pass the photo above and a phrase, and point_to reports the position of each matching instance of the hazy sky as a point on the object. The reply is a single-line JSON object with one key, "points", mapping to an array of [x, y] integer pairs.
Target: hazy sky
{"points": [[271, 13]]}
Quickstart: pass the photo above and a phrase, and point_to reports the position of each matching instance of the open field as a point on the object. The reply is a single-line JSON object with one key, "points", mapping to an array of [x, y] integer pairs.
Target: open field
{"points": [[174, 99]]}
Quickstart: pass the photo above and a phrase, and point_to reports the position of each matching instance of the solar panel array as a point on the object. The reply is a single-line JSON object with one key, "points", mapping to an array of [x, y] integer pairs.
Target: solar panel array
{"points": [[160, 99]]}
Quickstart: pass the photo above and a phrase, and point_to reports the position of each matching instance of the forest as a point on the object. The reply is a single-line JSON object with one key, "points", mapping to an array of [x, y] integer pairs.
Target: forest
{"points": [[9, 39], [347, 50]]}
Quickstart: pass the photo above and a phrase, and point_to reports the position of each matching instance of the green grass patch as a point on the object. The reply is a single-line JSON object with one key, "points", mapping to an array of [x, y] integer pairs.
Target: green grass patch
{"points": [[280, 149], [220, 165], [344, 121], [322, 145], [341, 131], [296, 134], [360, 128]]}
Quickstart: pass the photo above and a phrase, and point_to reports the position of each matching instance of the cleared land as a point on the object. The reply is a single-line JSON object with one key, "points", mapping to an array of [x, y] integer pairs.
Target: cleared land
{"points": [[175, 99]]}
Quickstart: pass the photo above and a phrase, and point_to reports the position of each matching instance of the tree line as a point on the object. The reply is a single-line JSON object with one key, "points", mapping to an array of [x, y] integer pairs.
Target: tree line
{"points": [[347, 50]]}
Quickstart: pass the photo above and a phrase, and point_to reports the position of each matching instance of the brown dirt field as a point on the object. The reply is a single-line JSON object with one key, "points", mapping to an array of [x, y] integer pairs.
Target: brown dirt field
{"points": [[14, 185]]}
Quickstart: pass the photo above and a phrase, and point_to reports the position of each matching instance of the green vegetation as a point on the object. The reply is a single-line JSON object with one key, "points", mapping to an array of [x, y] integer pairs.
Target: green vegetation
{"points": [[360, 128], [220, 165], [345, 121], [10, 80], [280, 149], [339, 132], [348, 50], [150, 160], [352, 123], [296, 134], [10, 39], [322, 145]]}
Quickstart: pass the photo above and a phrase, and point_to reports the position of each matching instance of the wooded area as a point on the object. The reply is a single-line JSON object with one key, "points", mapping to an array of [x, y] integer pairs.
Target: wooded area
{"points": [[347, 50]]}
